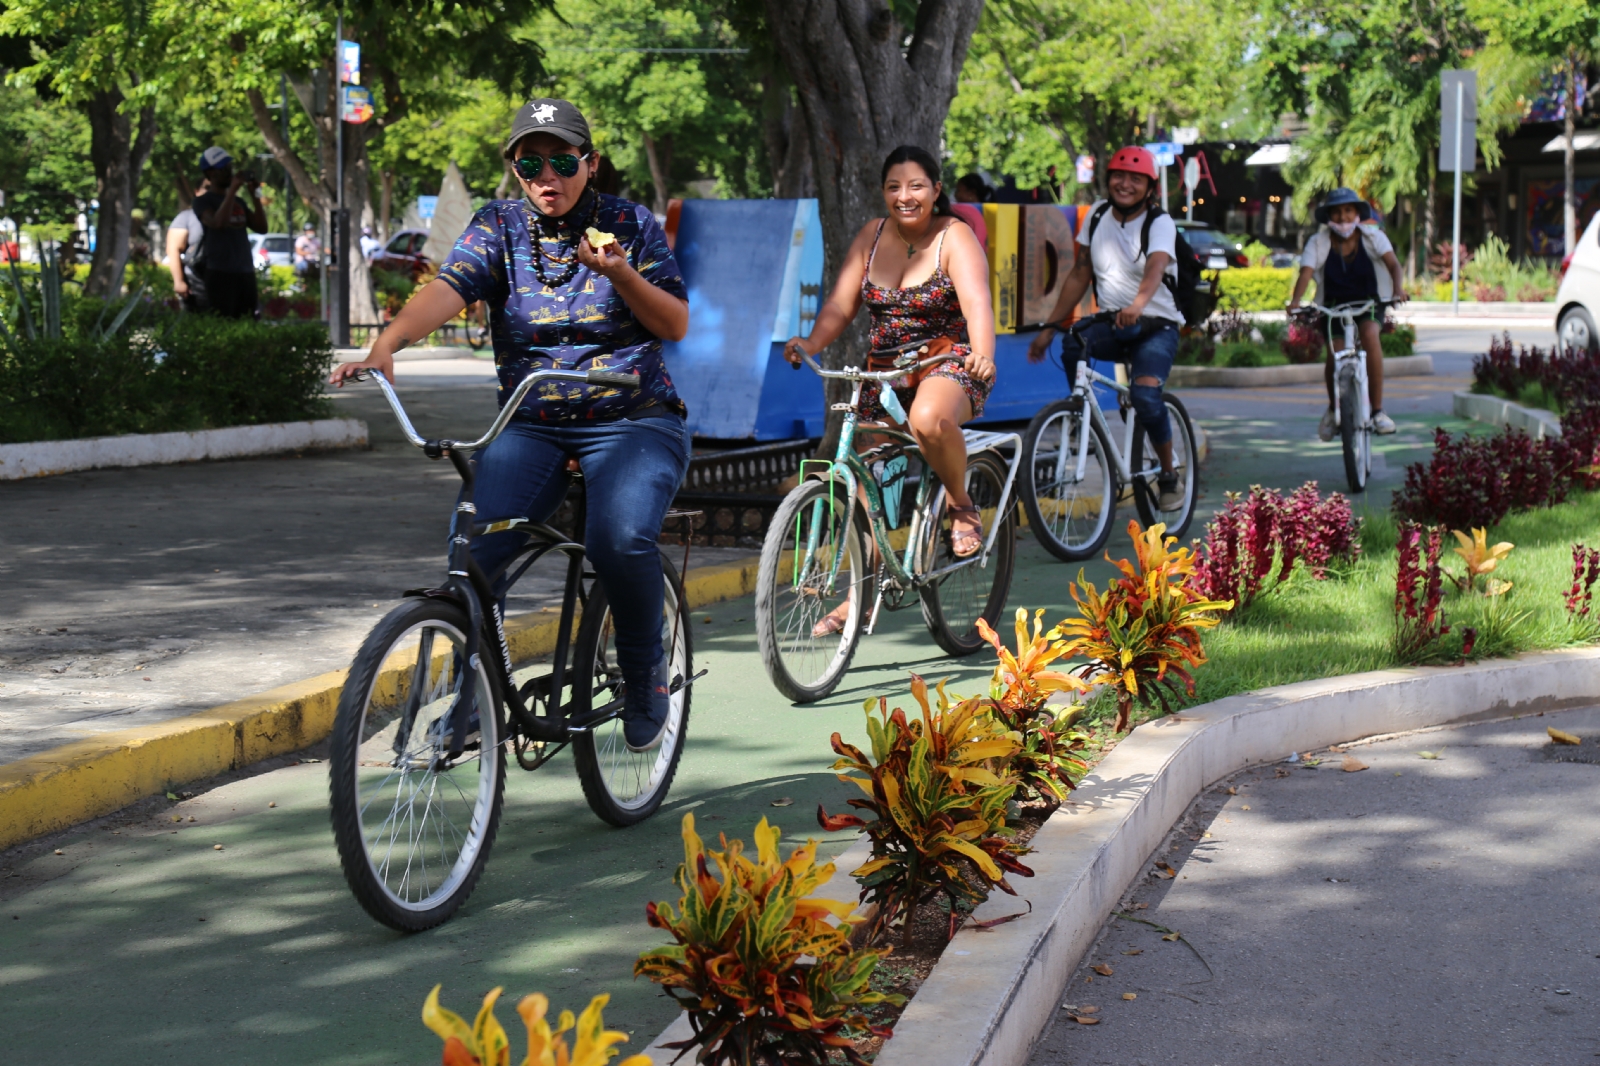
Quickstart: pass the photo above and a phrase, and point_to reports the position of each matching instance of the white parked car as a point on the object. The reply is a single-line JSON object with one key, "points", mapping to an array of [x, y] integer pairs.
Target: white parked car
{"points": [[272, 249], [1578, 299]]}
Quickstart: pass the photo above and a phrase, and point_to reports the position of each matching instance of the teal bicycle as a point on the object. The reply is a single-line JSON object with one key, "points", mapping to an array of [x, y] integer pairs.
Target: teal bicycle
{"points": [[816, 553]]}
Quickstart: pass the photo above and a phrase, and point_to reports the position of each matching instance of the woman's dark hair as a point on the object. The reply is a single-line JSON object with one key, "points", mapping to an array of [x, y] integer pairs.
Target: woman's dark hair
{"points": [[975, 184], [910, 153]]}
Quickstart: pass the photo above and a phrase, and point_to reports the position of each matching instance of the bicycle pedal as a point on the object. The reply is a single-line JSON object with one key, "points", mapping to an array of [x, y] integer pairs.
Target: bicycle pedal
{"points": [[839, 407]]}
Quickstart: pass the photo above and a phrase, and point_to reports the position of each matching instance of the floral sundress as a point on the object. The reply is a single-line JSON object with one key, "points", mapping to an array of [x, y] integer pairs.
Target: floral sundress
{"points": [[918, 313]]}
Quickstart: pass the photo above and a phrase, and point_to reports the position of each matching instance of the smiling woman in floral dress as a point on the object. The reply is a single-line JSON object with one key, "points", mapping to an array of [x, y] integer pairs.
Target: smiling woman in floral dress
{"points": [[923, 276]]}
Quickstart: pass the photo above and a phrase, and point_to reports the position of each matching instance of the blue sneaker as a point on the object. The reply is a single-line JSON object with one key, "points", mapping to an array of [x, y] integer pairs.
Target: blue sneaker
{"points": [[643, 727]]}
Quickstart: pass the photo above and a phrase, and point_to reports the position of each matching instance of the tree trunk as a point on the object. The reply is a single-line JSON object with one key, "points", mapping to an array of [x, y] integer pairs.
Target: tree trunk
{"points": [[117, 157], [863, 93], [1569, 193], [1411, 240], [658, 153], [783, 127]]}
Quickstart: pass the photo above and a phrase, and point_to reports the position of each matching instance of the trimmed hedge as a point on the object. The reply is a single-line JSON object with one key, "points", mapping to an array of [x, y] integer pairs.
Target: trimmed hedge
{"points": [[1255, 288], [183, 372]]}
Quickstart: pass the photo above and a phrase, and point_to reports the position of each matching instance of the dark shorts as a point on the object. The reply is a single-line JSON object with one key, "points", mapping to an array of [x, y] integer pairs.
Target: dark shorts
{"points": [[231, 294]]}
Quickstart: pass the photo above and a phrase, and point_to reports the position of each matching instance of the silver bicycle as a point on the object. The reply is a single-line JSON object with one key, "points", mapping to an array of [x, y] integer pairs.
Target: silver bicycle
{"points": [[1352, 403], [1074, 473]]}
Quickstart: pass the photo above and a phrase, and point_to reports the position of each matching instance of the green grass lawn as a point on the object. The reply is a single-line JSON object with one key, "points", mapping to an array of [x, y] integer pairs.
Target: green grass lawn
{"points": [[1304, 628]]}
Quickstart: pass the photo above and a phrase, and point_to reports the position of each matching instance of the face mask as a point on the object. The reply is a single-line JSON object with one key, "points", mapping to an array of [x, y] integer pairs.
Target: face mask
{"points": [[1343, 229]]}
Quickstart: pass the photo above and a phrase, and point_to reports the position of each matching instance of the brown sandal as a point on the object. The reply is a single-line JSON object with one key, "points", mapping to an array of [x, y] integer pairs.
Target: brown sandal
{"points": [[973, 539], [831, 623]]}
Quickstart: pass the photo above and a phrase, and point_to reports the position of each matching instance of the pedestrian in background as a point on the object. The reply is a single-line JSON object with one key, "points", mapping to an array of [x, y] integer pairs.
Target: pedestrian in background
{"points": [[229, 272], [185, 244], [370, 245], [307, 253]]}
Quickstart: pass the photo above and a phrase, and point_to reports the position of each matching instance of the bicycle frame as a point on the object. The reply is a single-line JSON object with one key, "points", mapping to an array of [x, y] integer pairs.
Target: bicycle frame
{"points": [[468, 586], [1087, 377], [1349, 359], [848, 466]]}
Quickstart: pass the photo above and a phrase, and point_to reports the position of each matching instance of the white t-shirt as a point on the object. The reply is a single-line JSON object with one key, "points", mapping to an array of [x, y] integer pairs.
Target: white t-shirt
{"points": [[1118, 266]]}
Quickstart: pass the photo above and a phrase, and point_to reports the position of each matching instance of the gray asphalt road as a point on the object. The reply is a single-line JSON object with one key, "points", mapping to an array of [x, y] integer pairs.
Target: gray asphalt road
{"points": [[134, 596], [1418, 911]]}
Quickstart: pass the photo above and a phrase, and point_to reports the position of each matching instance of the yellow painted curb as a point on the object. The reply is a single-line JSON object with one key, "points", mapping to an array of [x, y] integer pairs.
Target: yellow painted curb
{"points": [[87, 778]]}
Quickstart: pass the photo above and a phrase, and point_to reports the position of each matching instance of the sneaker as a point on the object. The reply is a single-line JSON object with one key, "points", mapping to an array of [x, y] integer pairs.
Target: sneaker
{"points": [[1327, 427], [1382, 424], [643, 727], [1170, 498]]}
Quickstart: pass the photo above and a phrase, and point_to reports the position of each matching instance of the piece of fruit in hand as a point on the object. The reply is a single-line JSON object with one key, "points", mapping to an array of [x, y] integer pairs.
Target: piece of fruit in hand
{"points": [[597, 239]]}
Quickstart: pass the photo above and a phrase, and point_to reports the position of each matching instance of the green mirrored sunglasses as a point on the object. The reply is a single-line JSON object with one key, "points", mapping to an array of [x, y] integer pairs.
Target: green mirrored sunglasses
{"points": [[564, 164]]}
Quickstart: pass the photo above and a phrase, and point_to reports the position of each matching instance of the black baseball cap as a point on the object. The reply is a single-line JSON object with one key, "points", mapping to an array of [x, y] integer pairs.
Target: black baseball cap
{"points": [[548, 115]]}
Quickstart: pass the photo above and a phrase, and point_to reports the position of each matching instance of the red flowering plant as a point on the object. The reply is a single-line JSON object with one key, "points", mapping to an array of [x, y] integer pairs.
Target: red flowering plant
{"points": [[1585, 572], [1419, 588], [1476, 481], [1262, 530], [1019, 693]]}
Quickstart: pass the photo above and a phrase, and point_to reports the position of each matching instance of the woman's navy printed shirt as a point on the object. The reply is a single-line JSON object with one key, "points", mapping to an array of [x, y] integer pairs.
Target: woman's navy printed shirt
{"points": [[580, 324]]}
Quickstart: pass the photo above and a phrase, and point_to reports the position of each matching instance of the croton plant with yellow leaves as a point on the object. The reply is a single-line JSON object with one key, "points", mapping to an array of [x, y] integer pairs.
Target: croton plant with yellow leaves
{"points": [[1142, 635], [1018, 693], [485, 1043], [936, 786], [741, 932]]}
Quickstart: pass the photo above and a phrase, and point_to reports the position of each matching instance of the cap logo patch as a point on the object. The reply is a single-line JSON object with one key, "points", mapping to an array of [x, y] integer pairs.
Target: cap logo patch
{"points": [[544, 113]]}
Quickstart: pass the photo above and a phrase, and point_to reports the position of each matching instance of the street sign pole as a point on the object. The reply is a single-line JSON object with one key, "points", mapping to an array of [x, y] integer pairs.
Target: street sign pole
{"points": [[340, 311], [1455, 233]]}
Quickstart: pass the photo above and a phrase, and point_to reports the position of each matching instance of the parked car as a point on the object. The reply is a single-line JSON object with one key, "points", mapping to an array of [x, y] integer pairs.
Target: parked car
{"points": [[403, 254], [271, 249], [1217, 251], [1578, 299]]}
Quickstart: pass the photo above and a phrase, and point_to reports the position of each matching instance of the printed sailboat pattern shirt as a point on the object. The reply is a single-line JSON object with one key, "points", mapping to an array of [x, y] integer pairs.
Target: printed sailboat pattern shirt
{"points": [[581, 324]]}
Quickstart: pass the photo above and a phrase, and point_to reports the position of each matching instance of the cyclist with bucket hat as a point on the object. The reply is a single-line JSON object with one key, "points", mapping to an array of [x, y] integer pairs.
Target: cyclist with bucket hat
{"points": [[1352, 263]]}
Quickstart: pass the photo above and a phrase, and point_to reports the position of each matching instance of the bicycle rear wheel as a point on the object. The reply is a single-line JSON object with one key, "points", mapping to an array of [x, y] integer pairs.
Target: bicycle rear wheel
{"points": [[1070, 516], [953, 602], [1146, 494], [625, 787], [813, 559], [1355, 434], [414, 826]]}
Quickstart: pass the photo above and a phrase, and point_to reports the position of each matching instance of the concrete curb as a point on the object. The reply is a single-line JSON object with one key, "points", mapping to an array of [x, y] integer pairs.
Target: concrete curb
{"points": [[75, 782], [1538, 423], [1255, 377], [43, 458], [993, 992]]}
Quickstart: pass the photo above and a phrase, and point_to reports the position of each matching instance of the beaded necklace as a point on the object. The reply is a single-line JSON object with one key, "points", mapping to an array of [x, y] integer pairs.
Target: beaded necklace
{"points": [[571, 263]]}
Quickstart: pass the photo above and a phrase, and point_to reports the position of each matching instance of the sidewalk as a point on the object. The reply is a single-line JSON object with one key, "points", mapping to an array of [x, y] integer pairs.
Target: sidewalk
{"points": [[1418, 911]]}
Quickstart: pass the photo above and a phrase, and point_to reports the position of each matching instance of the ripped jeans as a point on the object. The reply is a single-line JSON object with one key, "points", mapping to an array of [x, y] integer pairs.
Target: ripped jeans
{"points": [[1150, 347]]}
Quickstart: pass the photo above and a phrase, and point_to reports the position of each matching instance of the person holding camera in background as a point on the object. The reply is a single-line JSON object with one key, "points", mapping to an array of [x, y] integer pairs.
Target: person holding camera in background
{"points": [[228, 271]]}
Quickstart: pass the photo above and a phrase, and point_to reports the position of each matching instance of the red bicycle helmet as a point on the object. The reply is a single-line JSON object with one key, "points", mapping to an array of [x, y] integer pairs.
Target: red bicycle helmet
{"points": [[1136, 160]]}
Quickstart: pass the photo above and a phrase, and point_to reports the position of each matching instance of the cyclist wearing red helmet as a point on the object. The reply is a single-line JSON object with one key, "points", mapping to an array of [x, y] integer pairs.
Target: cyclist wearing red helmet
{"points": [[1131, 257]]}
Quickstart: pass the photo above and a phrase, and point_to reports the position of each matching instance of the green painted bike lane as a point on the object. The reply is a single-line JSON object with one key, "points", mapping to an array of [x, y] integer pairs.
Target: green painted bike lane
{"points": [[143, 939]]}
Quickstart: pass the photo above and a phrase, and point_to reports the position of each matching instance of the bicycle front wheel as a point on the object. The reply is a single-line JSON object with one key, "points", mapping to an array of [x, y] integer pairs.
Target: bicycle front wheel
{"points": [[1146, 463], [965, 588], [813, 564], [1070, 516], [414, 825], [624, 787], [1355, 434]]}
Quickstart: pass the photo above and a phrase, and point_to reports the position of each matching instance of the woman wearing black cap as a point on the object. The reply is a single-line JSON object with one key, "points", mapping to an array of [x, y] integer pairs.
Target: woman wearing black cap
{"points": [[555, 300], [1352, 263]]}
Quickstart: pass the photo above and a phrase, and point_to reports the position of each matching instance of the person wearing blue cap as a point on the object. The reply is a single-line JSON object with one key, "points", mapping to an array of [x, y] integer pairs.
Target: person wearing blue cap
{"points": [[1352, 263], [227, 267]]}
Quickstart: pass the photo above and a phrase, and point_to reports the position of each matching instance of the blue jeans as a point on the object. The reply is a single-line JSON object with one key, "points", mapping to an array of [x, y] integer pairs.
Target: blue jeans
{"points": [[1150, 346], [631, 470]]}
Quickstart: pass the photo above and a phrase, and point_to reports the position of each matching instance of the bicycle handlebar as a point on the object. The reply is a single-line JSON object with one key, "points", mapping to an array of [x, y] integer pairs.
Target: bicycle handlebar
{"points": [[585, 377], [855, 374], [1350, 309]]}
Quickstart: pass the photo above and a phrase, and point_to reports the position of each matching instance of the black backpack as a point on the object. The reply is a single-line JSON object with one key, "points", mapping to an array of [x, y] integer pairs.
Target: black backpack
{"points": [[1193, 300]]}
